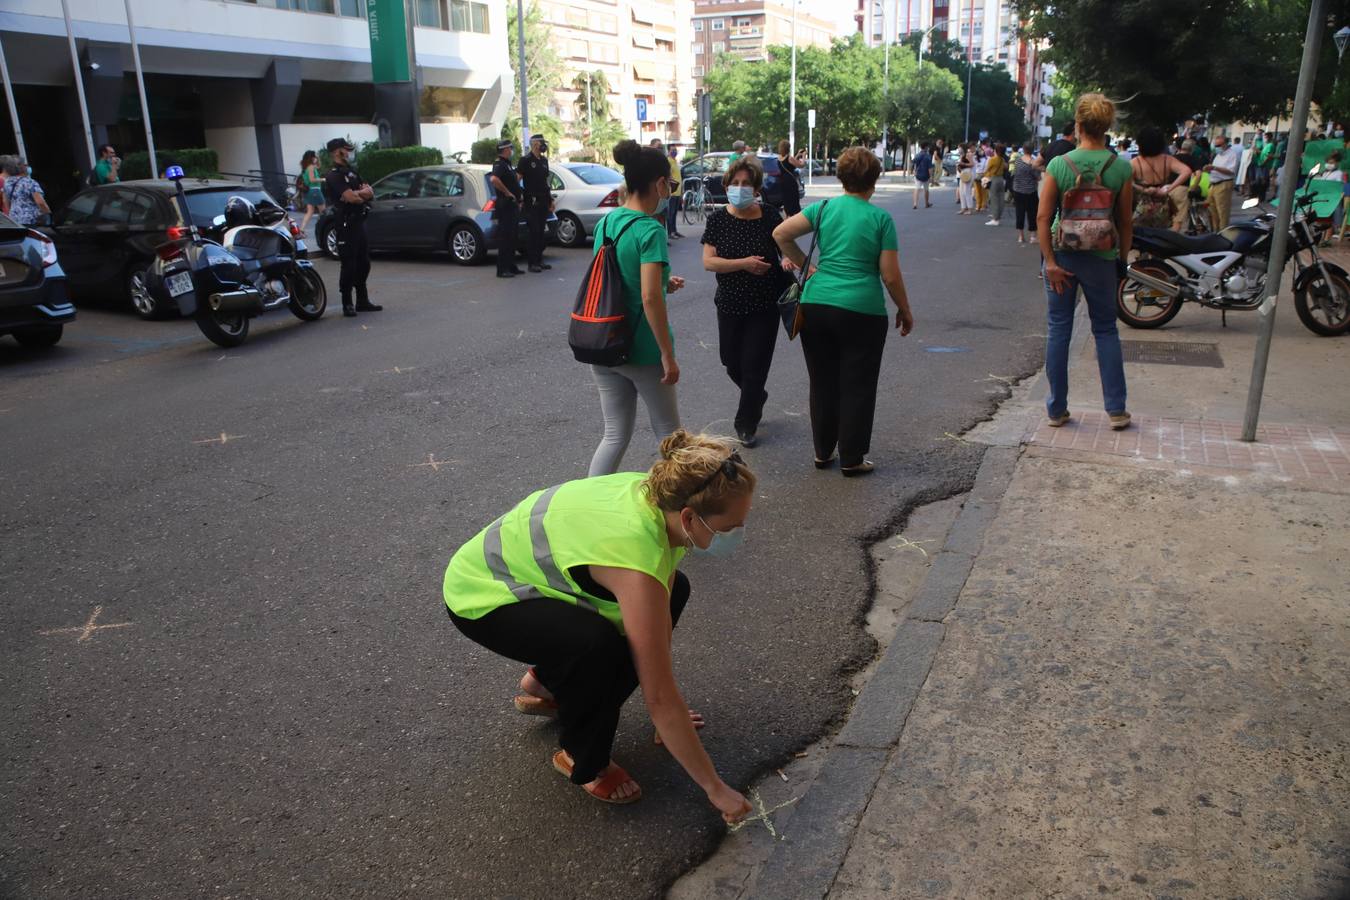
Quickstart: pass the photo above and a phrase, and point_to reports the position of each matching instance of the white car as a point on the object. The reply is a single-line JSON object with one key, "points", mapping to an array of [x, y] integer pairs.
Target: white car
{"points": [[583, 194]]}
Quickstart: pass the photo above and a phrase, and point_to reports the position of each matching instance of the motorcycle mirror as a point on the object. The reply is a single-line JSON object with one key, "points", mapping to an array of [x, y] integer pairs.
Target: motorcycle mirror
{"points": [[1248, 204], [174, 173], [218, 220]]}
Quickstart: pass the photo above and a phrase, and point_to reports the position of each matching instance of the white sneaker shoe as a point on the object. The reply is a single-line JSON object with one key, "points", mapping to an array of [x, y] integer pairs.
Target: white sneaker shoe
{"points": [[991, 222]]}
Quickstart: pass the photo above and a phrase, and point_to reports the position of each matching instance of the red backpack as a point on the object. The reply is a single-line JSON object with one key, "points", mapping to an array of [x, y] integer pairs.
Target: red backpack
{"points": [[1087, 212], [599, 333]]}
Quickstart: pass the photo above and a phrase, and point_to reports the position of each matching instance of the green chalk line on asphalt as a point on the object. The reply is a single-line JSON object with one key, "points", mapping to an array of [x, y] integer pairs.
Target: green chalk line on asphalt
{"points": [[762, 815]]}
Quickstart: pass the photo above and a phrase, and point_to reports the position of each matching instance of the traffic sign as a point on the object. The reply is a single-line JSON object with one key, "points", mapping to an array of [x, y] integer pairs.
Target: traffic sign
{"points": [[810, 118], [642, 109]]}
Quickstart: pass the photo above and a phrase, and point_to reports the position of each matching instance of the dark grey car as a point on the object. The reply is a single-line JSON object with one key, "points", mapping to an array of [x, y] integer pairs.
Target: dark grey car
{"points": [[34, 306], [431, 208]]}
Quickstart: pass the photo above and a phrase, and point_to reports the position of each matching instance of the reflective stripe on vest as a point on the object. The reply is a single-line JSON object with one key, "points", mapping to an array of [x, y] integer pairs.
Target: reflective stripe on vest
{"points": [[543, 557]]}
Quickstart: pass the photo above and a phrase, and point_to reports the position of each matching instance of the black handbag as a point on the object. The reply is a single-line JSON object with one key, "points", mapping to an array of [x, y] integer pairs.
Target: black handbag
{"points": [[789, 304]]}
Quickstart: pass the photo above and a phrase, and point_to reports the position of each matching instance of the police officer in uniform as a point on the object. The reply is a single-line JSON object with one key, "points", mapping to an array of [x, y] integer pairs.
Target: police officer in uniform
{"points": [[506, 212], [533, 172], [349, 196]]}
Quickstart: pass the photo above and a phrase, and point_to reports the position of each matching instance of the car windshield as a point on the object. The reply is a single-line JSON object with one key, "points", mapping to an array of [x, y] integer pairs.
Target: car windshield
{"points": [[593, 174], [206, 205]]}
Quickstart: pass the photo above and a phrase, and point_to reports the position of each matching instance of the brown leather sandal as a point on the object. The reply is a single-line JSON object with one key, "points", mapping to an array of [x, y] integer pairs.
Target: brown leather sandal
{"points": [[604, 789]]}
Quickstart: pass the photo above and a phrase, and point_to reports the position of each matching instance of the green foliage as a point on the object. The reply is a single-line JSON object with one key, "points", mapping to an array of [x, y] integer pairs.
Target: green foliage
{"points": [[484, 151], [197, 162], [594, 124], [995, 103], [1171, 60], [543, 66], [374, 164], [540, 123]]}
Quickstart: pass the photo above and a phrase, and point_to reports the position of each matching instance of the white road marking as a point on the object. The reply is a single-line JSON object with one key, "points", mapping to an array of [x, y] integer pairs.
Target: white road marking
{"points": [[223, 439], [88, 628]]}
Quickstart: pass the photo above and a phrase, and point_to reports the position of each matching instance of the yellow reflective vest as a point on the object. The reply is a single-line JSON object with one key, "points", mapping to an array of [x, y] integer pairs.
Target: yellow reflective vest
{"points": [[531, 551]]}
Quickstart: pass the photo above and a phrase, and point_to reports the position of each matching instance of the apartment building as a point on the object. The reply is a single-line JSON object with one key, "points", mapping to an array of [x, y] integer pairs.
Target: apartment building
{"points": [[986, 29], [746, 28], [643, 49]]}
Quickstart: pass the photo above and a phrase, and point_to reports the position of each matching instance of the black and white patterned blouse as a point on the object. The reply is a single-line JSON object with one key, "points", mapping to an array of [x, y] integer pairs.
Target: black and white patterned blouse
{"points": [[742, 293]]}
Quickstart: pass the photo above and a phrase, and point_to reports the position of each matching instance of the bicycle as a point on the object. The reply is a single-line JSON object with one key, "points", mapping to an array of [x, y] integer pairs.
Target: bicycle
{"points": [[695, 202]]}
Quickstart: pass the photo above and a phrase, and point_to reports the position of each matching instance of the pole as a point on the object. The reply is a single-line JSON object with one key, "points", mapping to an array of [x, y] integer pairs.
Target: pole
{"points": [[524, 96], [590, 119], [968, 70], [792, 100], [9, 98], [810, 167], [1312, 45], [885, 85], [140, 85], [79, 84]]}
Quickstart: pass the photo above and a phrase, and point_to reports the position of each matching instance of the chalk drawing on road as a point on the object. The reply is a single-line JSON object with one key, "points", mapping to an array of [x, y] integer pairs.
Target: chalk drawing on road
{"points": [[223, 439], [904, 543], [1006, 379], [433, 463], [88, 628], [946, 349], [947, 435], [795, 415], [762, 815], [397, 370]]}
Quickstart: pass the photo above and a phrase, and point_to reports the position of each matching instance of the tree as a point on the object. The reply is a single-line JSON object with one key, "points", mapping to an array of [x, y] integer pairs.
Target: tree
{"points": [[1169, 60], [543, 66], [995, 104], [594, 124]]}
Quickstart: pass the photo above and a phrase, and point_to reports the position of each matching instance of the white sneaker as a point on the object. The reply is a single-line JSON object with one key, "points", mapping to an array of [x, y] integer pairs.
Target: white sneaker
{"points": [[991, 222]]}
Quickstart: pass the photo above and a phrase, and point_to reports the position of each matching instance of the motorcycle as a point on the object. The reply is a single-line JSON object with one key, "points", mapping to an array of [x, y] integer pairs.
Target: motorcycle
{"points": [[1227, 271], [262, 264]]}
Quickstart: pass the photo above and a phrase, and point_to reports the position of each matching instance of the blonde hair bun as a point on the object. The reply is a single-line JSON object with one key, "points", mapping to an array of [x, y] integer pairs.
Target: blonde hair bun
{"points": [[1095, 114], [689, 473]]}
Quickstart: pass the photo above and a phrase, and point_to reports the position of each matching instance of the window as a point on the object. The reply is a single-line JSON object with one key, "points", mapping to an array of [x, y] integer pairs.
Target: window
{"points": [[698, 49], [125, 208], [743, 23], [606, 53], [604, 22], [429, 13], [438, 184], [576, 49], [394, 187], [555, 183], [594, 174], [80, 210], [448, 104], [719, 25], [698, 71], [467, 16], [698, 26], [719, 47]]}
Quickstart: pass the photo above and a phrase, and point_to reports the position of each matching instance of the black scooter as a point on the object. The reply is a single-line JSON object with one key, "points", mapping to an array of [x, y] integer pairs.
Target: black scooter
{"points": [[222, 287]]}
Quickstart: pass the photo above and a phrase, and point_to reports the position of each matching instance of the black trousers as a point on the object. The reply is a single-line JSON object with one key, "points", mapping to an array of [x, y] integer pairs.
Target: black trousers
{"points": [[354, 252], [507, 220], [746, 344], [843, 358], [1026, 205], [580, 657], [536, 217]]}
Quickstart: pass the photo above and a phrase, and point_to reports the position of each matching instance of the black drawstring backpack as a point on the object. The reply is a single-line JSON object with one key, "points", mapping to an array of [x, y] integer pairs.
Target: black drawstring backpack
{"points": [[599, 333]]}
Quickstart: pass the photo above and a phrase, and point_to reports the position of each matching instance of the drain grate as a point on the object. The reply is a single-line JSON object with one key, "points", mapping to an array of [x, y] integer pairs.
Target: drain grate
{"points": [[1172, 353]]}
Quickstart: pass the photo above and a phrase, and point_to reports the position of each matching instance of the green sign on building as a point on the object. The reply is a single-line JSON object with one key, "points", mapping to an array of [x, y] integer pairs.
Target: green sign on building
{"points": [[388, 40]]}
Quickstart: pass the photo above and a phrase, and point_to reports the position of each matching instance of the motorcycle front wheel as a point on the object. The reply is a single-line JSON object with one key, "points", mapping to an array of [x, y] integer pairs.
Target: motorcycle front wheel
{"points": [[1140, 306], [1324, 308], [222, 330], [309, 297]]}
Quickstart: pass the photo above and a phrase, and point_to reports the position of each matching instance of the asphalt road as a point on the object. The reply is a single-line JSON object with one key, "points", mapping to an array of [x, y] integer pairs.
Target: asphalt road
{"points": [[278, 705]]}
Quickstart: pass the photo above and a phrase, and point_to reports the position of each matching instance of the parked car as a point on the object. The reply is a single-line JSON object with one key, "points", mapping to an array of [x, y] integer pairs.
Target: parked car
{"points": [[34, 307], [710, 167], [583, 194], [446, 207], [106, 236], [949, 161]]}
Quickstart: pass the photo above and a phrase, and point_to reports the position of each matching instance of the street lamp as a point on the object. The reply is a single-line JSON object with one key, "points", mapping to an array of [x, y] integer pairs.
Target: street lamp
{"points": [[792, 99], [942, 23]]}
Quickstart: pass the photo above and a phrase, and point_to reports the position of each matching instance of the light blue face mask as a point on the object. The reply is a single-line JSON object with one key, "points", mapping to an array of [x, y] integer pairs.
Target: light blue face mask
{"points": [[723, 543], [740, 196], [661, 206]]}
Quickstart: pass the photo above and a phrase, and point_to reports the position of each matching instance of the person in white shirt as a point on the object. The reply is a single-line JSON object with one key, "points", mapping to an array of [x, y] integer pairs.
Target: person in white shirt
{"points": [[1221, 174]]}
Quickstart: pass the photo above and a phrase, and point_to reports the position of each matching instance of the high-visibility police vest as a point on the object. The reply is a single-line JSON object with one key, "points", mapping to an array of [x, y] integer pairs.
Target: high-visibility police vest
{"points": [[530, 552]]}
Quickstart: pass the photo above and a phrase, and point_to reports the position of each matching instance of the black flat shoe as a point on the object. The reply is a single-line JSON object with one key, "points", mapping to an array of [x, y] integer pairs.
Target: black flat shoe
{"points": [[506, 274], [826, 463], [747, 438], [349, 312], [863, 468], [368, 307], [544, 265]]}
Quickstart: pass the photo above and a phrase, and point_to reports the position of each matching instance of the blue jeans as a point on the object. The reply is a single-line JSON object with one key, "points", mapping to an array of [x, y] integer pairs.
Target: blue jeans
{"points": [[1097, 277]]}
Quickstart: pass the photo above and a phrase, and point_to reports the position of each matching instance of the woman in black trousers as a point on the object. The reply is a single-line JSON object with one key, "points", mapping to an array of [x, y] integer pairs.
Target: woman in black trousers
{"points": [[738, 246], [843, 310]]}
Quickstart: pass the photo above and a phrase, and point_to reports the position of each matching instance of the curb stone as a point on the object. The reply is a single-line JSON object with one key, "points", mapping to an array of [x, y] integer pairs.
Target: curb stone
{"points": [[805, 863]]}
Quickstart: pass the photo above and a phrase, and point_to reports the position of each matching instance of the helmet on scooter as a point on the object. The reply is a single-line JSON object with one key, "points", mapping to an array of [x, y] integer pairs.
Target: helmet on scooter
{"points": [[238, 211], [269, 212]]}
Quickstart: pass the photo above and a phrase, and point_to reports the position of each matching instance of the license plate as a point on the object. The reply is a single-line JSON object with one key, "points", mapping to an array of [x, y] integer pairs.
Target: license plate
{"points": [[180, 283]]}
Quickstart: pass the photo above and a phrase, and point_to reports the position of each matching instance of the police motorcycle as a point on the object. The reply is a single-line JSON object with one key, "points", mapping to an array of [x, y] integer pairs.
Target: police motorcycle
{"points": [[1227, 272], [260, 265]]}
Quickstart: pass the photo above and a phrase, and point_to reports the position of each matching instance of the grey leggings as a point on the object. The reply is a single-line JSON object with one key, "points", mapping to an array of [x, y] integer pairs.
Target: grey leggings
{"points": [[619, 389]]}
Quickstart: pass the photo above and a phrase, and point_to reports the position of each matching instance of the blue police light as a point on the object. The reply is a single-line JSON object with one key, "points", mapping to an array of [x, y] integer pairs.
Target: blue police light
{"points": [[173, 173]]}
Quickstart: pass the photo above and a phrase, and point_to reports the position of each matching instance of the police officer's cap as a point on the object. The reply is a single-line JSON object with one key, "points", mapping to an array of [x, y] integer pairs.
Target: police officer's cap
{"points": [[502, 145], [338, 143], [536, 137]]}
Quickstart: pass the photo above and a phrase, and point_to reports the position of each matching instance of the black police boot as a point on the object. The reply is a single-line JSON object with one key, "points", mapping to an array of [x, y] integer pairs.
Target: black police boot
{"points": [[363, 303], [347, 308]]}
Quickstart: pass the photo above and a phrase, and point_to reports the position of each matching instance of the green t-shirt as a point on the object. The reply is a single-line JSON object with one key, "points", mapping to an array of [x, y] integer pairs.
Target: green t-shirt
{"points": [[103, 172], [849, 241], [643, 242], [1087, 161]]}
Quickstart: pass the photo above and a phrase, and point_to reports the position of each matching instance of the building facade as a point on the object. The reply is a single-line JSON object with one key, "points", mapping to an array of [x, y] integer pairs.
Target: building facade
{"points": [[642, 47], [746, 28], [259, 82]]}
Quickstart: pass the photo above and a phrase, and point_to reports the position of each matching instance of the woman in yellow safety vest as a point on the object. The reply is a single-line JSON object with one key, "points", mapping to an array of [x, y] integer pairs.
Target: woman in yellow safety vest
{"points": [[580, 581]]}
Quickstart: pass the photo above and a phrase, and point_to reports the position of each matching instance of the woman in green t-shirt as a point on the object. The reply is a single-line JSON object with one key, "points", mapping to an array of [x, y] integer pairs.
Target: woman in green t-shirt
{"points": [[644, 261], [1095, 271], [843, 310], [581, 582]]}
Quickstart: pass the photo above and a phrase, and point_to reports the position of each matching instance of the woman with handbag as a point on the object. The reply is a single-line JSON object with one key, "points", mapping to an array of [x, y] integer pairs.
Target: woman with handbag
{"points": [[738, 247], [965, 187], [644, 259], [843, 313], [1156, 175]]}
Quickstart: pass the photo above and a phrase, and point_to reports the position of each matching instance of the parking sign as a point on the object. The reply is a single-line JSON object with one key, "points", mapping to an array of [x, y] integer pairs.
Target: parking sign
{"points": [[642, 109]]}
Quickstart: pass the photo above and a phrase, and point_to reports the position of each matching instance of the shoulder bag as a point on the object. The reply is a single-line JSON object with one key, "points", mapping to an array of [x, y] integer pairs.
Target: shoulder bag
{"points": [[789, 304]]}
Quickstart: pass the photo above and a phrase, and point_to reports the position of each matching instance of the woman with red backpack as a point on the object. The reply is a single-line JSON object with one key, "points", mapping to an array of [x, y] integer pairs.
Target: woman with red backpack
{"points": [[1085, 224]]}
